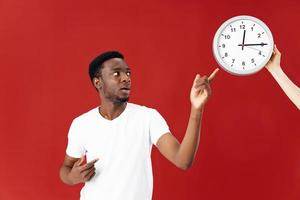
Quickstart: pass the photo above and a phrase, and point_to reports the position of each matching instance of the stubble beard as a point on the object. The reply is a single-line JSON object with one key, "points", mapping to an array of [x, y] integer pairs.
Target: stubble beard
{"points": [[115, 99]]}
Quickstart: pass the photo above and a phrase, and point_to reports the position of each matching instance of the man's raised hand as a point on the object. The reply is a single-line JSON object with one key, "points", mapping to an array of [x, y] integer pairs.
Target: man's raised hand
{"points": [[201, 90]]}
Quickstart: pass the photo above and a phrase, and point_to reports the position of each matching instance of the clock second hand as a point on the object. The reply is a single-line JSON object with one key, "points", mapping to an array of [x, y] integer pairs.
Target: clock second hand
{"points": [[252, 48]]}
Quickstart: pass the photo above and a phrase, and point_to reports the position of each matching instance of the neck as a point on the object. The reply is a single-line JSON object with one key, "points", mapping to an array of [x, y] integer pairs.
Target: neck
{"points": [[110, 110]]}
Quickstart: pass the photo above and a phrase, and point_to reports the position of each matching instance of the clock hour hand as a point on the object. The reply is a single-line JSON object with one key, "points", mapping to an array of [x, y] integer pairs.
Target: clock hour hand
{"points": [[261, 44]]}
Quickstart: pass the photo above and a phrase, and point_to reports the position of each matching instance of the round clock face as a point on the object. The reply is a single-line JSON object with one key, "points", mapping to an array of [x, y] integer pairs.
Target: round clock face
{"points": [[243, 45]]}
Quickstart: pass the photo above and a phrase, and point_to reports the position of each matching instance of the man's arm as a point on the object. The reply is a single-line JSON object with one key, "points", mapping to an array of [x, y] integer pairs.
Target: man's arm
{"points": [[182, 155], [289, 88], [73, 171]]}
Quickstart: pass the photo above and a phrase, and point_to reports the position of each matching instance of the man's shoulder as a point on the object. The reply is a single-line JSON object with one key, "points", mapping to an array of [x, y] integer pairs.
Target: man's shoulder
{"points": [[141, 108], [141, 111]]}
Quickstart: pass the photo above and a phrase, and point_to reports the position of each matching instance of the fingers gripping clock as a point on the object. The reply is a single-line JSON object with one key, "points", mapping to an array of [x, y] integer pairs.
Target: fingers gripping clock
{"points": [[243, 45]]}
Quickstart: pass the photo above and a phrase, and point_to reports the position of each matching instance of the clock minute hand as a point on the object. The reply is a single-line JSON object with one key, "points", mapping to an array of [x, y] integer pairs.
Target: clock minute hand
{"points": [[261, 44], [243, 39]]}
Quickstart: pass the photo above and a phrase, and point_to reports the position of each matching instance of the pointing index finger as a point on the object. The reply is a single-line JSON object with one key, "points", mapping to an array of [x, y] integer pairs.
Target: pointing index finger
{"points": [[92, 162], [89, 164], [213, 74]]}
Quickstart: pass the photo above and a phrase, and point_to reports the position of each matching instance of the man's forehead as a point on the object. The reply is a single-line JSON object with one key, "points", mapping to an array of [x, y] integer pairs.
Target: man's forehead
{"points": [[114, 63]]}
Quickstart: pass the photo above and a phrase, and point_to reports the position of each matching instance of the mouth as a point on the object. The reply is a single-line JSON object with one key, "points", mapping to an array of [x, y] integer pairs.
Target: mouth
{"points": [[127, 89]]}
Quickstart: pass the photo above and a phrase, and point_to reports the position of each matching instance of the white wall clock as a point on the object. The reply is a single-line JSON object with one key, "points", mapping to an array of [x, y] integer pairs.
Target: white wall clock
{"points": [[243, 45]]}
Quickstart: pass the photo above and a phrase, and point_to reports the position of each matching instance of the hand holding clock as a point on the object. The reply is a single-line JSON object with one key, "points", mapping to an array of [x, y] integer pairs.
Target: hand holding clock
{"points": [[289, 88], [274, 62]]}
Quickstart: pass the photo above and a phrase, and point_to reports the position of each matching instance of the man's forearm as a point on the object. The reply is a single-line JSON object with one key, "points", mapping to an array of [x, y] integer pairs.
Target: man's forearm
{"points": [[190, 142]]}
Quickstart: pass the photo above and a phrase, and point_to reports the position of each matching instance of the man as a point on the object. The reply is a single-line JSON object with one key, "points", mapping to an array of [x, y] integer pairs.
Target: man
{"points": [[117, 137]]}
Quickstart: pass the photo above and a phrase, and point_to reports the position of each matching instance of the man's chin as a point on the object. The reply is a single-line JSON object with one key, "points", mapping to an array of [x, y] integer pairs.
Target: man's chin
{"points": [[122, 100]]}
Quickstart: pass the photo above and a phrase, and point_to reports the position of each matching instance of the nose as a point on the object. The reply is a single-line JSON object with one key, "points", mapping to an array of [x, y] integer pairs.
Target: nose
{"points": [[125, 77]]}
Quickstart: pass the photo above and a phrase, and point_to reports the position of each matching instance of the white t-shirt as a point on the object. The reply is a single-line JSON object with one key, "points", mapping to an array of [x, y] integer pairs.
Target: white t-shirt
{"points": [[123, 146]]}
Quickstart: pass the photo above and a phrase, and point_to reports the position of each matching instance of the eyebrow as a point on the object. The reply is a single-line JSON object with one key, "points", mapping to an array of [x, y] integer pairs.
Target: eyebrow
{"points": [[118, 68]]}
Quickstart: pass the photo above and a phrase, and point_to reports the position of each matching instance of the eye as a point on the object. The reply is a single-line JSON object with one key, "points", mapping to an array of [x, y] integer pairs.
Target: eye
{"points": [[128, 73], [116, 73]]}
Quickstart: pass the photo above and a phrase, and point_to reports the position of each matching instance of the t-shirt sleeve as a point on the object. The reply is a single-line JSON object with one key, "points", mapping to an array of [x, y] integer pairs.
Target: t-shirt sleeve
{"points": [[75, 146], [158, 126]]}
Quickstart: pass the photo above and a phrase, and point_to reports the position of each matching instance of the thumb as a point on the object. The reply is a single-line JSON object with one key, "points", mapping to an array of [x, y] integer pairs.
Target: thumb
{"points": [[196, 78], [276, 50]]}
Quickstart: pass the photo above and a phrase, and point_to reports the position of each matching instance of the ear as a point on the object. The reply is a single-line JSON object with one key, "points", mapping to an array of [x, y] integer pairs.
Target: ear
{"points": [[97, 83]]}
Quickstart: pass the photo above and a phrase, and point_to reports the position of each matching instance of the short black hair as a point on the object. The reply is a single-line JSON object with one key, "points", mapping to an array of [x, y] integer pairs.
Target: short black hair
{"points": [[97, 63]]}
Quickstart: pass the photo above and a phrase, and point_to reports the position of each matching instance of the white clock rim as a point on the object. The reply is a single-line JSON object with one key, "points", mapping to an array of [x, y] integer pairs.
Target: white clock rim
{"points": [[218, 57]]}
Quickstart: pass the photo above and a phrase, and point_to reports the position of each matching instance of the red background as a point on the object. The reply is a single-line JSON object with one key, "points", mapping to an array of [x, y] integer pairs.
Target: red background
{"points": [[250, 141]]}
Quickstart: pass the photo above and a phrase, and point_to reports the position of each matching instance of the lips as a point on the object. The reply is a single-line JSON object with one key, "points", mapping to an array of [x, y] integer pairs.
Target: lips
{"points": [[125, 90], [125, 87]]}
